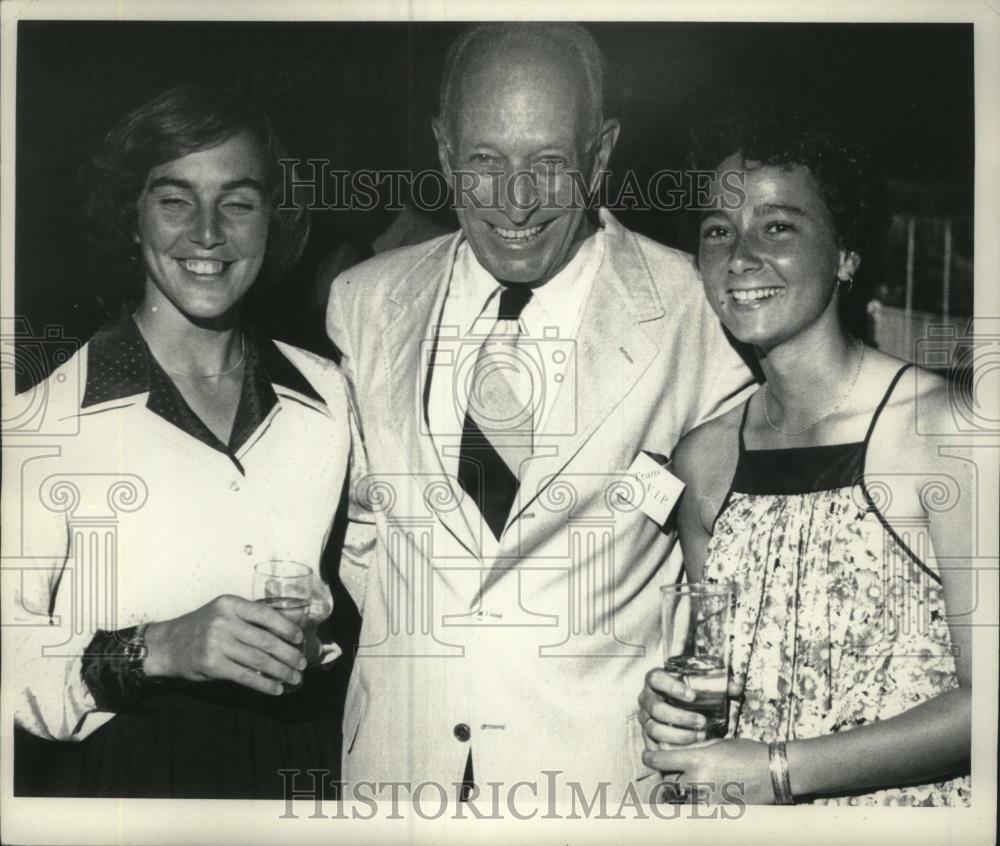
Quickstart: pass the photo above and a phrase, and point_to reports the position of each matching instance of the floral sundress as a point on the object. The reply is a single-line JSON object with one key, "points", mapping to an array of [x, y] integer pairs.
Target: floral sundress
{"points": [[837, 621]]}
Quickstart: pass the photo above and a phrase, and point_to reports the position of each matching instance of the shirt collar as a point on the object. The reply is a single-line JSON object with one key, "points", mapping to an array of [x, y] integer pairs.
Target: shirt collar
{"points": [[475, 288], [121, 366], [558, 303], [561, 299]]}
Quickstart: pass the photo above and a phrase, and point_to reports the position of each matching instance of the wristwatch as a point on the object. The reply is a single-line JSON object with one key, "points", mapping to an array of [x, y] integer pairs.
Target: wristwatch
{"points": [[135, 653]]}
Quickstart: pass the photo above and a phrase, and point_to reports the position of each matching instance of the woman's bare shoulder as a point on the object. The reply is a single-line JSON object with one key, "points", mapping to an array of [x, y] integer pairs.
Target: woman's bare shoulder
{"points": [[923, 412], [710, 450]]}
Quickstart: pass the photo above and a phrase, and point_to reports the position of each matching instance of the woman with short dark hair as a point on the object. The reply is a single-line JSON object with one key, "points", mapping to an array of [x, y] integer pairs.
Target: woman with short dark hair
{"points": [[811, 503]]}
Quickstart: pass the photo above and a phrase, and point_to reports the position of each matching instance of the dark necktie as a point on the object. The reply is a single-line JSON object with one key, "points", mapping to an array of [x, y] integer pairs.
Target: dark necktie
{"points": [[497, 435]]}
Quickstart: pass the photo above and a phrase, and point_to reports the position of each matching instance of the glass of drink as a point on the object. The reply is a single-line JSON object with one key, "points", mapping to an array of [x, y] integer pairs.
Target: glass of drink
{"points": [[696, 623], [285, 586]]}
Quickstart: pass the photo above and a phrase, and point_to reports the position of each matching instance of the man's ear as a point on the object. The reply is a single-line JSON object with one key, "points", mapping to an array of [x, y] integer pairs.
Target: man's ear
{"points": [[606, 141], [444, 157]]}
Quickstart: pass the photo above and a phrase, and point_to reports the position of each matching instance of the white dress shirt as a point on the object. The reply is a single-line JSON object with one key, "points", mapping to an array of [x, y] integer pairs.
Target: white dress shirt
{"points": [[549, 325]]}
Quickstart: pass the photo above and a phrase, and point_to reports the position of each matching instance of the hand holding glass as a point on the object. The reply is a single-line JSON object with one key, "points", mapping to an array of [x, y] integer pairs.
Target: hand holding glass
{"points": [[696, 623], [285, 586]]}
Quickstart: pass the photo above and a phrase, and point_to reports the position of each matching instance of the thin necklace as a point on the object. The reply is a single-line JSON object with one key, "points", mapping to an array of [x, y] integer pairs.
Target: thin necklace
{"points": [[242, 358], [830, 413]]}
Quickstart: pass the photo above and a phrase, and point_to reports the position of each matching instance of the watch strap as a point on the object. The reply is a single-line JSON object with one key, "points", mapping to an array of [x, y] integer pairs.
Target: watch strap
{"points": [[111, 668]]}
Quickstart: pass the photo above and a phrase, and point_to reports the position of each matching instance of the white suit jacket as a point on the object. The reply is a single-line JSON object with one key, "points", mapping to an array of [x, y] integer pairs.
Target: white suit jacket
{"points": [[531, 653]]}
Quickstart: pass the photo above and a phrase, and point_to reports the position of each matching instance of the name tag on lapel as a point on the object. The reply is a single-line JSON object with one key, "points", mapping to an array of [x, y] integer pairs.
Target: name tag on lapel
{"points": [[661, 488]]}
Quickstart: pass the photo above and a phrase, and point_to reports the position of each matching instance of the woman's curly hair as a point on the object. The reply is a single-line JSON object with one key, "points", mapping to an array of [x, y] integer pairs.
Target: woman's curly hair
{"points": [[182, 120], [786, 130]]}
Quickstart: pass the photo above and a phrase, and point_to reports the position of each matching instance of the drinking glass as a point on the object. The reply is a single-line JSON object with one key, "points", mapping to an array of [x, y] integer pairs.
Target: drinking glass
{"points": [[696, 624], [285, 586]]}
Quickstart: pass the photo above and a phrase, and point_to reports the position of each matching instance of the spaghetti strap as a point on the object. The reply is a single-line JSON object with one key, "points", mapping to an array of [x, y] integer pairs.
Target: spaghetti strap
{"points": [[743, 423], [885, 400], [736, 470], [872, 505]]}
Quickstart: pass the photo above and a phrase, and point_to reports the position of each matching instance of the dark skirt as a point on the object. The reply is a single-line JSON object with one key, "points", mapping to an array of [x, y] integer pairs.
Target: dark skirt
{"points": [[205, 741]]}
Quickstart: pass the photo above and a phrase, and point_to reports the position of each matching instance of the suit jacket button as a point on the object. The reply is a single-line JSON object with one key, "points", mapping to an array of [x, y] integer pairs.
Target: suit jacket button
{"points": [[462, 732]]}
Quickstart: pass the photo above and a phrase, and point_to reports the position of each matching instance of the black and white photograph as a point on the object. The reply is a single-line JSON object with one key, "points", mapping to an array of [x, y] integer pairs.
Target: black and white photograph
{"points": [[435, 422]]}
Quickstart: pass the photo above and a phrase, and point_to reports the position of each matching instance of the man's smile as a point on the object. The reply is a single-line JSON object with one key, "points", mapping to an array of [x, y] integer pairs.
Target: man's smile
{"points": [[525, 235]]}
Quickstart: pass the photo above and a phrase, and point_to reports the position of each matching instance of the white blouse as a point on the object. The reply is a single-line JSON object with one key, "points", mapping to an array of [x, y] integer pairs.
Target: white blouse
{"points": [[122, 508]]}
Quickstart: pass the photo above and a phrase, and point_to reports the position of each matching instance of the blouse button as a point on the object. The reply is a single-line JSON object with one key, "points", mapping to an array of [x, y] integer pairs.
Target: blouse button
{"points": [[248, 549]]}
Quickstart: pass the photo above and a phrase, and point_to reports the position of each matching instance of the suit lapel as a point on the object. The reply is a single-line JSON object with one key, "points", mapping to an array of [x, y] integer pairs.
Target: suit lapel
{"points": [[613, 350], [409, 339]]}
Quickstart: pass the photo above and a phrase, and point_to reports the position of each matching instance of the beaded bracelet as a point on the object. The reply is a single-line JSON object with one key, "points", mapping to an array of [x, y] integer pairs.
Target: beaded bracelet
{"points": [[778, 765]]}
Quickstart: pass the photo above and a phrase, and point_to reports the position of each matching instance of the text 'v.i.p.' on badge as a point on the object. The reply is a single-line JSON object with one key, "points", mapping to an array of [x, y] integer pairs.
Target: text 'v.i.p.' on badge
{"points": [[660, 488]]}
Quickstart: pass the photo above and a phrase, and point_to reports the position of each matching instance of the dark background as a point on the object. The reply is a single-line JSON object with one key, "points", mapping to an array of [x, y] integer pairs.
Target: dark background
{"points": [[362, 95]]}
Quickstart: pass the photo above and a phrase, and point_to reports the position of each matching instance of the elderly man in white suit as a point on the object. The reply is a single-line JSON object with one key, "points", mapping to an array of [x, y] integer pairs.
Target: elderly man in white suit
{"points": [[511, 601]]}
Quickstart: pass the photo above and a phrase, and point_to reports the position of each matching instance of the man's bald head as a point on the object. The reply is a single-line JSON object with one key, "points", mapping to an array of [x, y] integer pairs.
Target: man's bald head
{"points": [[520, 132], [487, 45]]}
